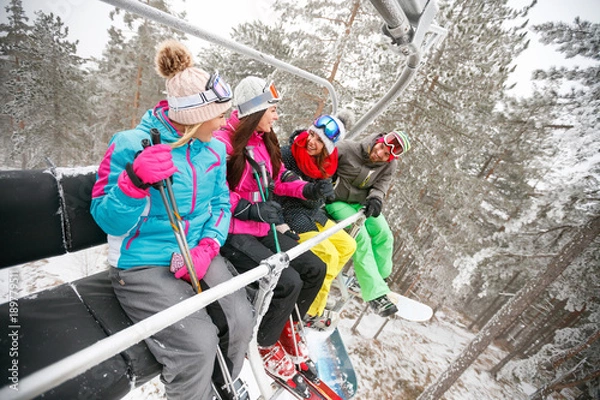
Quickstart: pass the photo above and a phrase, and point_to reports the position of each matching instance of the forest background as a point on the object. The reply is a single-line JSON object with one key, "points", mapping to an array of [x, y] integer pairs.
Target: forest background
{"points": [[497, 191]]}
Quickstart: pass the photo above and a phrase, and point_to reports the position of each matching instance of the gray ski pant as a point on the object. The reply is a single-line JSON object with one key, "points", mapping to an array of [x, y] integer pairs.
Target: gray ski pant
{"points": [[187, 349]]}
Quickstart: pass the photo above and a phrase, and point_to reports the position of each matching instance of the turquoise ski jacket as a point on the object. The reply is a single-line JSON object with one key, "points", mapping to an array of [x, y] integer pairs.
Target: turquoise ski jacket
{"points": [[139, 231]]}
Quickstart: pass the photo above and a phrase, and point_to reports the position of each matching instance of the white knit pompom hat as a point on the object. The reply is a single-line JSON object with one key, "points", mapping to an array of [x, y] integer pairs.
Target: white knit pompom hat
{"points": [[247, 90], [174, 62]]}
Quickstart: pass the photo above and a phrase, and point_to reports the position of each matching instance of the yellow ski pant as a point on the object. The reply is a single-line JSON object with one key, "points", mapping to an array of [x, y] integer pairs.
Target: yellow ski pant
{"points": [[335, 252]]}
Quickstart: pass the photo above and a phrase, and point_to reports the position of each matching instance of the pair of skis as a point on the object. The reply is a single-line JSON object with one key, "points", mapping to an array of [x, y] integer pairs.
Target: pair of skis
{"points": [[309, 388], [307, 382], [306, 388]]}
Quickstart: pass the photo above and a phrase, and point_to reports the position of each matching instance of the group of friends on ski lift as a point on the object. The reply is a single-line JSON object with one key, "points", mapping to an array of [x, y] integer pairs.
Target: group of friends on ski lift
{"points": [[242, 198]]}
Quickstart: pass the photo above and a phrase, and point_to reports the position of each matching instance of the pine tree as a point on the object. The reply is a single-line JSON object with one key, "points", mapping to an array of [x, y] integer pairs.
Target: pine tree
{"points": [[47, 96], [576, 245], [13, 33], [126, 81], [566, 196], [332, 39], [465, 176]]}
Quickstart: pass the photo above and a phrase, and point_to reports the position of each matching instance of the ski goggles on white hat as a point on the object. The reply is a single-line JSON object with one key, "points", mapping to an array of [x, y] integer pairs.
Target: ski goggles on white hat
{"points": [[217, 91], [397, 141], [330, 127], [270, 94]]}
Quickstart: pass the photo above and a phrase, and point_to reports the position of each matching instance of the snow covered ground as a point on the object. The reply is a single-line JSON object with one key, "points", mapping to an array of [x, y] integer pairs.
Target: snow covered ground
{"points": [[399, 364]]}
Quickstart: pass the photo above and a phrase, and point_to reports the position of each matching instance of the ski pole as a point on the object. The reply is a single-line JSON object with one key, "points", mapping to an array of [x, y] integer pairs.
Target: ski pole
{"points": [[174, 217], [250, 150], [176, 221]]}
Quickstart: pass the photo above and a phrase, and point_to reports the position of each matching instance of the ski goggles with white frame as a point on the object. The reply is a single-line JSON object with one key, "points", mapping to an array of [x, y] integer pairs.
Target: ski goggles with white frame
{"points": [[397, 141], [269, 95], [217, 91], [329, 126]]}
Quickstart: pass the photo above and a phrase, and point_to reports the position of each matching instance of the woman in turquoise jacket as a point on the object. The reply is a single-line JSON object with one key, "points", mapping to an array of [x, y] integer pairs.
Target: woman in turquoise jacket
{"points": [[141, 240]]}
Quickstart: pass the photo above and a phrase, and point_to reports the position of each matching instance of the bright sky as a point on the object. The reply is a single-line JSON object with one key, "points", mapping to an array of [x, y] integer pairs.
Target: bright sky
{"points": [[88, 21]]}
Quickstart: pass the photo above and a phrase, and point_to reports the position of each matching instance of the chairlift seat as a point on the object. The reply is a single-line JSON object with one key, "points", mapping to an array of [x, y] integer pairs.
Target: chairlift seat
{"points": [[44, 214]]}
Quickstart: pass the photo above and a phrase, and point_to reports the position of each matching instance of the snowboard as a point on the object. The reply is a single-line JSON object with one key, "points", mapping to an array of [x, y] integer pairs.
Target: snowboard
{"points": [[334, 367], [409, 309]]}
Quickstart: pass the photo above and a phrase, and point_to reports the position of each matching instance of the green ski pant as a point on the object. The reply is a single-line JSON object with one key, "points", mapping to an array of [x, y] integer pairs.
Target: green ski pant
{"points": [[374, 250]]}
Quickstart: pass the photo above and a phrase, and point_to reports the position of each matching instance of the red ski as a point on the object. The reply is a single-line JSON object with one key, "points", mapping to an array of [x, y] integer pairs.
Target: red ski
{"points": [[301, 390], [324, 390]]}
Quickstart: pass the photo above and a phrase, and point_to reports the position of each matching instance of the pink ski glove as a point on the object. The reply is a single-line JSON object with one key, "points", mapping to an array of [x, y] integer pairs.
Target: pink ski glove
{"points": [[152, 165], [202, 255], [129, 188]]}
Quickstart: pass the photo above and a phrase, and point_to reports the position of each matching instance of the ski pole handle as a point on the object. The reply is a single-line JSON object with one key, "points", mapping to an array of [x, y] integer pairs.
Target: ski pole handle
{"points": [[155, 134], [265, 178]]}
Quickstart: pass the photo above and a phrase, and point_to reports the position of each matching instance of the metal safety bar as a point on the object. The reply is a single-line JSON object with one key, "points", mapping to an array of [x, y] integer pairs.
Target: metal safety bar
{"points": [[154, 14], [61, 371]]}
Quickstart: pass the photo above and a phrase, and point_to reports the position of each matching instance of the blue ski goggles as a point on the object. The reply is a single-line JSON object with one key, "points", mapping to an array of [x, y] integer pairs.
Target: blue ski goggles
{"points": [[330, 127], [217, 91]]}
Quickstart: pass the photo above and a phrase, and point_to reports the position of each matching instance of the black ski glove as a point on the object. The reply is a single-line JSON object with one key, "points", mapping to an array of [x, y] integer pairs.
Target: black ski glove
{"points": [[266, 211], [373, 207], [323, 188]]}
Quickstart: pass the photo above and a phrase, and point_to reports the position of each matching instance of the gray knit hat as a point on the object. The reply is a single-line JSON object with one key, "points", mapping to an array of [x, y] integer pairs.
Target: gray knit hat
{"points": [[252, 95]]}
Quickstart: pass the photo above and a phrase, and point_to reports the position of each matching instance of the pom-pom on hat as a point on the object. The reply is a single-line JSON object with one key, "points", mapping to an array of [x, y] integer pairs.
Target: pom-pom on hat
{"points": [[252, 95], [330, 129], [186, 85]]}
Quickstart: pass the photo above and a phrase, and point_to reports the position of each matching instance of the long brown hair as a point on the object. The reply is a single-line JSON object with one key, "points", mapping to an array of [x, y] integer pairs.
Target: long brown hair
{"points": [[320, 158], [243, 132]]}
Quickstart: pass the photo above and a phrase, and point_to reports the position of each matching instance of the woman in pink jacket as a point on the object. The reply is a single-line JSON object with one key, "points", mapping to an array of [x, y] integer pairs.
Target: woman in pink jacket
{"points": [[249, 134]]}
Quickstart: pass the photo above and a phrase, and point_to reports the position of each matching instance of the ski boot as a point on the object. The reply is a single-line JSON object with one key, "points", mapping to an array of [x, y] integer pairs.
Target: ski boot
{"points": [[280, 366], [325, 322], [293, 343]]}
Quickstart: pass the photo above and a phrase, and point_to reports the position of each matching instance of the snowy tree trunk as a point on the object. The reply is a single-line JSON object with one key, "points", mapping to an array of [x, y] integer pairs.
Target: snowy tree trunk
{"points": [[532, 335], [556, 361], [512, 310]]}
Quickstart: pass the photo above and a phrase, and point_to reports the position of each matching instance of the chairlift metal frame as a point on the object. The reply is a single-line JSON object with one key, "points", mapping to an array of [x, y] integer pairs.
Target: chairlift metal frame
{"points": [[406, 22]]}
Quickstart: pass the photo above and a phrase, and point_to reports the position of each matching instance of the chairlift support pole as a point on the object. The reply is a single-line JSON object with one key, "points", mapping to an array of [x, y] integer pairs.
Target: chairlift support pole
{"points": [[162, 17], [399, 18]]}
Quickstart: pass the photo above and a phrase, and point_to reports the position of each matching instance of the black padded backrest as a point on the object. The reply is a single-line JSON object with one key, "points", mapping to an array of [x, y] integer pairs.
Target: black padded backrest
{"points": [[53, 324], [30, 221], [81, 229], [45, 213]]}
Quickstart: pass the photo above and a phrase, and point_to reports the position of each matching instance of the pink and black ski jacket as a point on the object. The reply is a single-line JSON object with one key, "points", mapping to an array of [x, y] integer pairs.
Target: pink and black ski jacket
{"points": [[247, 188]]}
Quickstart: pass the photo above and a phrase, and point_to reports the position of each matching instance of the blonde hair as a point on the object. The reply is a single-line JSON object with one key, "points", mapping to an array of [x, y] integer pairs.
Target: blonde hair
{"points": [[188, 133]]}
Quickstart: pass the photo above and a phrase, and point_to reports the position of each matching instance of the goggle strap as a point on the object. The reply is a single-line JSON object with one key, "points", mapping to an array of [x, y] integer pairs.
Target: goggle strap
{"points": [[191, 101], [257, 101]]}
